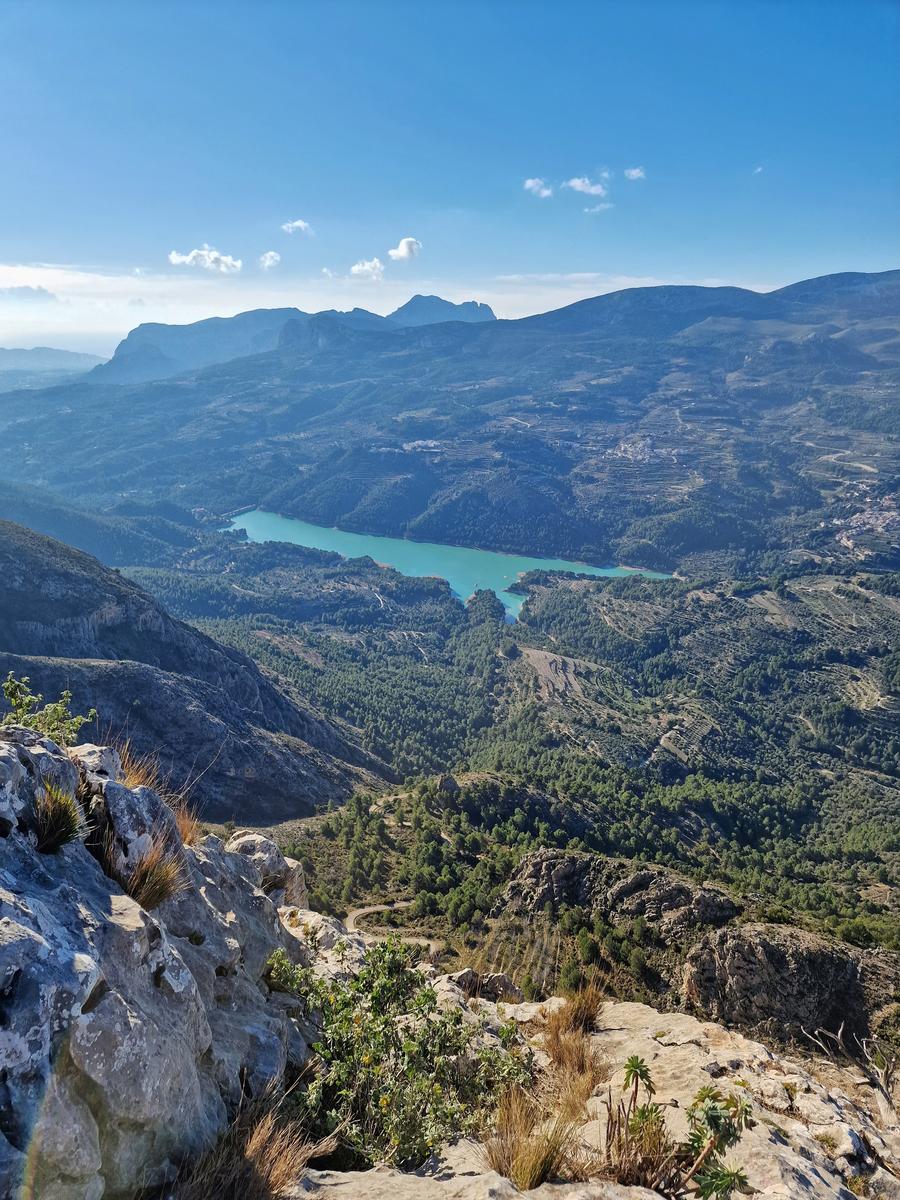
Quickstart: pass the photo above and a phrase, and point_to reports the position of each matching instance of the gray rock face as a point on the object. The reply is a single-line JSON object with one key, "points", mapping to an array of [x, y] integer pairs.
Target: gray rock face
{"points": [[125, 1035], [674, 906], [757, 975]]}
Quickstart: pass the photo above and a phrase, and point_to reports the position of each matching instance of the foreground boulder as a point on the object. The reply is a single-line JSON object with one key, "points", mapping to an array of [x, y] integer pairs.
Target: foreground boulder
{"points": [[126, 1035]]}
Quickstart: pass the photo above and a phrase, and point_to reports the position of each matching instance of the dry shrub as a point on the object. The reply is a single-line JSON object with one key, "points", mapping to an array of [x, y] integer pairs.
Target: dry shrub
{"points": [[578, 1069], [143, 770], [58, 819], [578, 1014], [259, 1157], [154, 877], [524, 1147]]}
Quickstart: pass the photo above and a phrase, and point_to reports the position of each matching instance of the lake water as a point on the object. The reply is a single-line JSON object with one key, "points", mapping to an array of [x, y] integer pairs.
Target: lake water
{"points": [[464, 569]]}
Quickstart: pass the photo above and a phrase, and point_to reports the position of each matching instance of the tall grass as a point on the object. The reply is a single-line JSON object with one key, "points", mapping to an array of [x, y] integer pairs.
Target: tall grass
{"points": [[58, 818], [523, 1146], [578, 1014], [143, 770], [154, 877]]}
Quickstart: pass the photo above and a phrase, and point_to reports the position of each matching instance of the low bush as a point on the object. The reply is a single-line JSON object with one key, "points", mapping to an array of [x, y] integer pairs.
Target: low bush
{"points": [[58, 819], [395, 1076], [54, 720]]}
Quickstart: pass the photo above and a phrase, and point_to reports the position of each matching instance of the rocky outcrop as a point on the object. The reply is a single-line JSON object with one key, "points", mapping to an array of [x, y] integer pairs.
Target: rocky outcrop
{"points": [[126, 1036], [675, 907], [212, 718], [751, 975], [757, 975]]}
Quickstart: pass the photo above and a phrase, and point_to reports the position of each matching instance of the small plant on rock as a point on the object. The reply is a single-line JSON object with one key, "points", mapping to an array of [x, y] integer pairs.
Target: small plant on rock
{"points": [[58, 819], [54, 720], [154, 877], [639, 1150]]}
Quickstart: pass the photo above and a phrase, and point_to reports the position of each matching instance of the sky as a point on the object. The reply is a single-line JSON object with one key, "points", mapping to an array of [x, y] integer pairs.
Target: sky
{"points": [[173, 161]]}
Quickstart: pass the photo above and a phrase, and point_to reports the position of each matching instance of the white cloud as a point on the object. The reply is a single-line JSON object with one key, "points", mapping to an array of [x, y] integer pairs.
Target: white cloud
{"points": [[635, 173], [270, 259], [538, 188], [598, 208], [581, 183], [208, 258], [298, 226], [757, 170], [406, 248], [368, 268], [28, 295], [328, 273]]}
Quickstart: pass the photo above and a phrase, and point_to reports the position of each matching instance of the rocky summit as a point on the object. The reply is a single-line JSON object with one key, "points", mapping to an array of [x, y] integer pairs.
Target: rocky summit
{"points": [[132, 1030]]}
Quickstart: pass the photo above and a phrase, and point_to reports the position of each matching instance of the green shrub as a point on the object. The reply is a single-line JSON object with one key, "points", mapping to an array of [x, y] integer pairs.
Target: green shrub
{"points": [[58, 819], [54, 720], [397, 1076]]}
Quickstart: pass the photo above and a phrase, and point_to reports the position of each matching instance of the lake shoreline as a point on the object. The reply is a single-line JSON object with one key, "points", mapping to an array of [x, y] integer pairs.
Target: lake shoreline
{"points": [[466, 569]]}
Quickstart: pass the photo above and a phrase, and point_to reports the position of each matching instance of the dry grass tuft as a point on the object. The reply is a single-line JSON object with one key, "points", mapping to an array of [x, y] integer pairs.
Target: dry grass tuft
{"points": [[578, 1014], [156, 876], [259, 1157], [143, 770], [139, 770], [186, 819], [58, 819], [578, 1069], [523, 1147]]}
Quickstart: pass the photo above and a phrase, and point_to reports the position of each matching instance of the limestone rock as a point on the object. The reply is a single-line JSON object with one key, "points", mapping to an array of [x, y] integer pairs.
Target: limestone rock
{"points": [[126, 1035], [756, 975], [676, 908]]}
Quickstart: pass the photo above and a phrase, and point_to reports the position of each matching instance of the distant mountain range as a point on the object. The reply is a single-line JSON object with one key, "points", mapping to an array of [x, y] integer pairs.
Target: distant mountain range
{"points": [[705, 429], [41, 367], [154, 351]]}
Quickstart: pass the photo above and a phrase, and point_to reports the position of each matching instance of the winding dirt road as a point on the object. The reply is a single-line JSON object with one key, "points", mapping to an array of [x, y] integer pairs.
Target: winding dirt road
{"points": [[432, 945]]}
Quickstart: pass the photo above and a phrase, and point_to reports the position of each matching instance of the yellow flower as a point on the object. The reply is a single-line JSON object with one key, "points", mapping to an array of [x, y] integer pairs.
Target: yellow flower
{"points": [[366, 1059], [384, 1102]]}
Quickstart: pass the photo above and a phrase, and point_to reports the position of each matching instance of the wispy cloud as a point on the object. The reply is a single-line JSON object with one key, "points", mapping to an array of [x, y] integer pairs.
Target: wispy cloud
{"points": [[538, 188], [599, 208], [298, 226], [581, 183], [368, 268], [635, 173], [28, 295], [406, 248], [270, 259], [208, 258], [757, 170]]}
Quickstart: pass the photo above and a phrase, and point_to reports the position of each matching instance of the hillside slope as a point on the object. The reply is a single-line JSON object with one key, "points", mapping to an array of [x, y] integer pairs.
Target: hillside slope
{"points": [[66, 621]]}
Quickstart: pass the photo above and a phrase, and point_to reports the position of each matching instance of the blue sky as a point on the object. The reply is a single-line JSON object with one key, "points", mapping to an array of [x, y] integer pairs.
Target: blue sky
{"points": [[765, 134]]}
